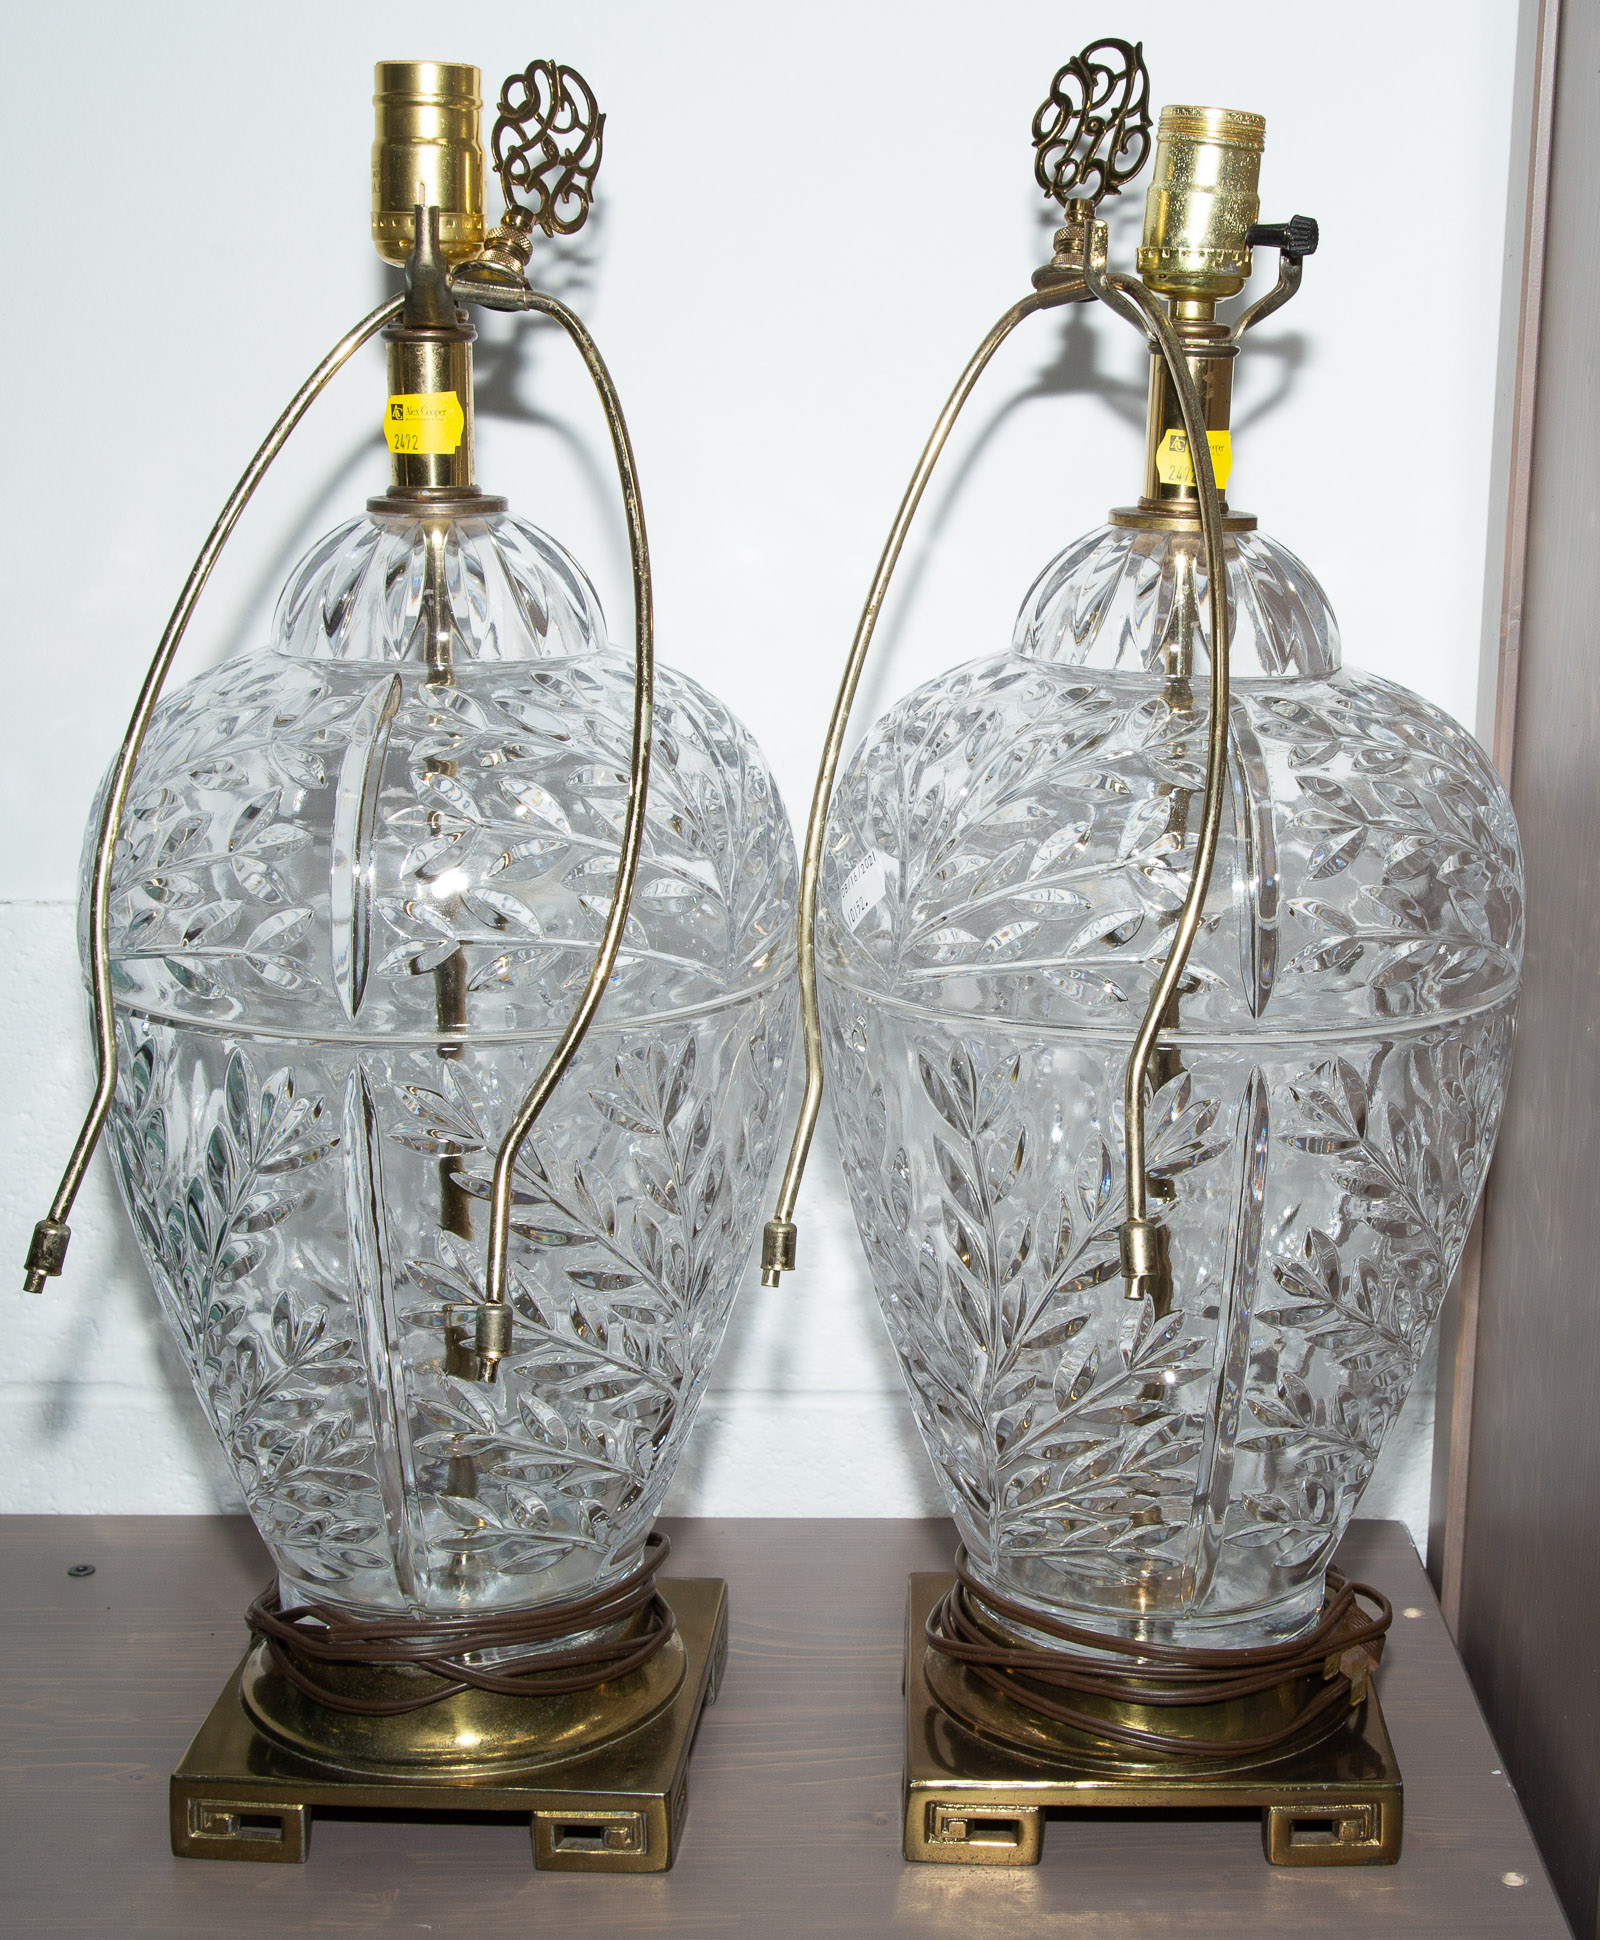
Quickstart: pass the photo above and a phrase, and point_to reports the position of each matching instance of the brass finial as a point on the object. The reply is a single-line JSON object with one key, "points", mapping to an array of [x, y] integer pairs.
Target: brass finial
{"points": [[428, 148], [1091, 135], [547, 141], [536, 107]]}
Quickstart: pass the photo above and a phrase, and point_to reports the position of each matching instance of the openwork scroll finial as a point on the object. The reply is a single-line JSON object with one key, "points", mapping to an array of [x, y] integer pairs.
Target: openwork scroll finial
{"points": [[1091, 135], [546, 144]]}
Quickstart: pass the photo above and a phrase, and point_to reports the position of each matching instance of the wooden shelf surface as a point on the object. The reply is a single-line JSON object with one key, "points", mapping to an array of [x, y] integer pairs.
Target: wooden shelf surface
{"points": [[794, 1787]]}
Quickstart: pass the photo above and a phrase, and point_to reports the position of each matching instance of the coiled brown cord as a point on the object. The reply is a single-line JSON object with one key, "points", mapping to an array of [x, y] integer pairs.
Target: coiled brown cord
{"points": [[317, 1633], [1345, 1644]]}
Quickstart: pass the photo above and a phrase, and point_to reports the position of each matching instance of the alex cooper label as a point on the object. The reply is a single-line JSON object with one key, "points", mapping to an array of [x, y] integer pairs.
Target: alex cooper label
{"points": [[424, 425]]}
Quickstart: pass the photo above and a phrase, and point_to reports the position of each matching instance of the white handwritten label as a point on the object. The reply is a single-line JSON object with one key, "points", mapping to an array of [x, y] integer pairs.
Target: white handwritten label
{"points": [[863, 888]]}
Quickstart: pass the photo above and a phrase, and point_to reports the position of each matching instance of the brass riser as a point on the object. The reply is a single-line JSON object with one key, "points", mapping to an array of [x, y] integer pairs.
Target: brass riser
{"points": [[237, 1794], [972, 1802]]}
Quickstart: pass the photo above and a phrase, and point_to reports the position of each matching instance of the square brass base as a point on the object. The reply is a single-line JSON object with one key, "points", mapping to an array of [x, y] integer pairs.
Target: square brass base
{"points": [[971, 1802], [619, 1809]]}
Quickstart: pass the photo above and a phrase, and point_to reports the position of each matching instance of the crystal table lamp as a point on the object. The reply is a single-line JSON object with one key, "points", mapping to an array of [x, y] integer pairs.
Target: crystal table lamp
{"points": [[1167, 971], [447, 1242]]}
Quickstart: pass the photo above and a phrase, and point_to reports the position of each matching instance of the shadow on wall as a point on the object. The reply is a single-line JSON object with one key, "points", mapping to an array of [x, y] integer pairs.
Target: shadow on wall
{"points": [[507, 360], [806, 1412]]}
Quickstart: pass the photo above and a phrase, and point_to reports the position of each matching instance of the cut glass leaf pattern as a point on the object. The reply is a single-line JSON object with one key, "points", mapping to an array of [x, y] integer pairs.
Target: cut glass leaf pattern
{"points": [[353, 905], [1322, 1116]]}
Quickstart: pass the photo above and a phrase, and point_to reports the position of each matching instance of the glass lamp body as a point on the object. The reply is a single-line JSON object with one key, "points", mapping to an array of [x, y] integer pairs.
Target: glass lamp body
{"points": [[1005, 859], [359, 889]]}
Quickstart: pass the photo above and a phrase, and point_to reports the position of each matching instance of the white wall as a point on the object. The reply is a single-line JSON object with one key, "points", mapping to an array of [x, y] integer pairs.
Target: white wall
{"points": [[808, 217]]}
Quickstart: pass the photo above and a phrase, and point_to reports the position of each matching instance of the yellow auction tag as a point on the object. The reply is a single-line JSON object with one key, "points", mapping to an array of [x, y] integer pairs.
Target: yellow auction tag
{"points": [[1174, 466], [423, 424]]}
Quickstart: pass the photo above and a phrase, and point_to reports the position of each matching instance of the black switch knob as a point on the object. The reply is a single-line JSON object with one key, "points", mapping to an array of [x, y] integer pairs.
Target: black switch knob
{"points": [[1294, 239]]}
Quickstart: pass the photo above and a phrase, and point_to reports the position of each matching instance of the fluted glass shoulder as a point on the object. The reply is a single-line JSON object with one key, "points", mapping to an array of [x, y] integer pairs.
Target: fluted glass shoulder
{"points": [[1006, 857], [360, 885]]}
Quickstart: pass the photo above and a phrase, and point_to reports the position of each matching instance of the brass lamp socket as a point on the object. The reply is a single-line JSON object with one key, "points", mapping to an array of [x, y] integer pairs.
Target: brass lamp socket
{"points": [[428, 148], [1201, 203]]}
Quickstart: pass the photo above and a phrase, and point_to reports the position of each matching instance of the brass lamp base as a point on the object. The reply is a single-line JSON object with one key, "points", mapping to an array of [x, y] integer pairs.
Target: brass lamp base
{"points": [[616, 1806], [976, 1799]]}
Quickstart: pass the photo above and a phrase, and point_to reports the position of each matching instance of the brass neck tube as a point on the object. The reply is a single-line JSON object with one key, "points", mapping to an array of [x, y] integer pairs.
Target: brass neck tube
{"points": [[427, 421], [1168, 471], [428, 416]]}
